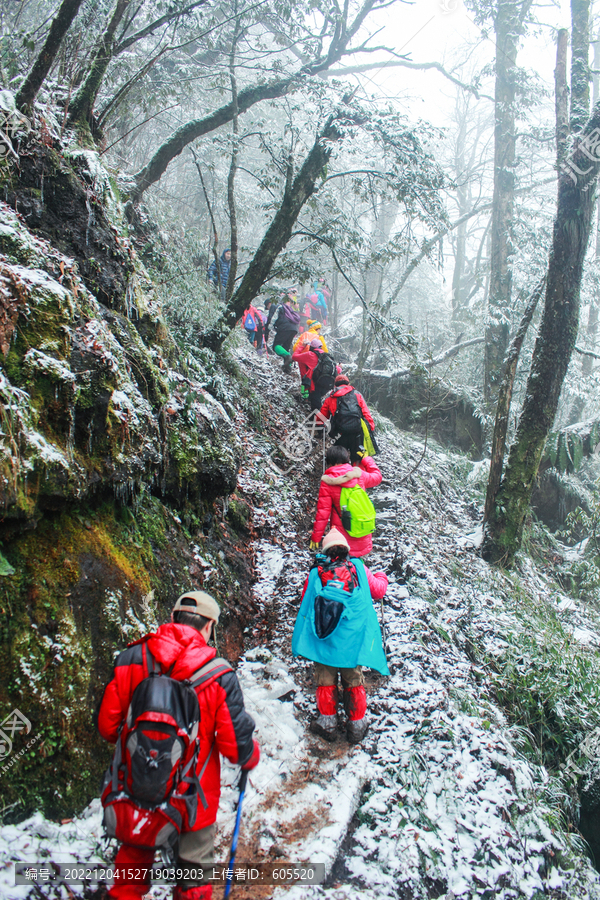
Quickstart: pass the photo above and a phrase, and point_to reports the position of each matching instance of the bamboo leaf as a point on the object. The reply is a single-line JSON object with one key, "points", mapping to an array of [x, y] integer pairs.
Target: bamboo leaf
{"points": [[562, 454], [577, 451], [552, 447]]}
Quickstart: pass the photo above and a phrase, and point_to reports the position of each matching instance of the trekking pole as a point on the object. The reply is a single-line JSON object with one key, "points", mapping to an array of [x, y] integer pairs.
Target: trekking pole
{"points": [[384, 634], [236, 832]]}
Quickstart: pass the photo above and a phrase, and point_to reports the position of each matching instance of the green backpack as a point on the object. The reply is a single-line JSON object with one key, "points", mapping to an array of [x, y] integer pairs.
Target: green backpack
{"points": [[357, 512]]}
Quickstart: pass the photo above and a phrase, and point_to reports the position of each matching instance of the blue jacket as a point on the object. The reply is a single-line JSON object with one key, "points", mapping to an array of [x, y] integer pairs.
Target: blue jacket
{"points": [[356, 640], [224, 265]]}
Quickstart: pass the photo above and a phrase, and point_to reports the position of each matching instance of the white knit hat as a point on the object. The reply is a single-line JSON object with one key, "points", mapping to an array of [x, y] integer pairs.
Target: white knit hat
{"points": [[335, 538]]}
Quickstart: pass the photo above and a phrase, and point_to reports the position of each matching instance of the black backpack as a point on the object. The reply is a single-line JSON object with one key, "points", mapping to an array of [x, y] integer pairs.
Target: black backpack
{"points": [[348, 414], [151, 790], [324, 372]]}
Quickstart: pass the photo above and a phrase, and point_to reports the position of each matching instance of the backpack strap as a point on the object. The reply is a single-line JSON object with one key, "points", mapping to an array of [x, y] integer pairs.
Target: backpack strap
{"points": [[152, 667], [211, 670], [200, 679]]}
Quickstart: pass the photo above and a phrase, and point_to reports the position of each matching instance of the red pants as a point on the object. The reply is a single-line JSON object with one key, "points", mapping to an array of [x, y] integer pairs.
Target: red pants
{"points": [[131, 861]]}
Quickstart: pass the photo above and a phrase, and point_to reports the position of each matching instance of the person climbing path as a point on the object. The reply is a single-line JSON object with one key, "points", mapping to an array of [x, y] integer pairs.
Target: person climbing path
{"points": [[351, 419], [286, 326], [317, 371], [338, 475], [219, 275], [147, 777], [337, 628], [313, 329]]}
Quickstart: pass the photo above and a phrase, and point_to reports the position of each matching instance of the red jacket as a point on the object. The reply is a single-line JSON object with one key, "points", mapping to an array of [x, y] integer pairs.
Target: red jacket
{"points": [[330, 406], [224, 722], [328, 502]]}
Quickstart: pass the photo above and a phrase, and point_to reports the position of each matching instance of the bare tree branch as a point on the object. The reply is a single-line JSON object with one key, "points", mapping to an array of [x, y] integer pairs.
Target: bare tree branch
{"points": [[153, 26], [405, 64]]}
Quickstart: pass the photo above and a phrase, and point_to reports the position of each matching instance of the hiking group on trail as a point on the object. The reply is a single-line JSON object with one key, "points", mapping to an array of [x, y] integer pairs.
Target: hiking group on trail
{"points": [[172, 708]]}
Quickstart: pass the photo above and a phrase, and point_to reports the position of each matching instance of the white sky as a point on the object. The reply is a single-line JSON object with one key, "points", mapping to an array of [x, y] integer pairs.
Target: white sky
{"points": [[440, 31]]}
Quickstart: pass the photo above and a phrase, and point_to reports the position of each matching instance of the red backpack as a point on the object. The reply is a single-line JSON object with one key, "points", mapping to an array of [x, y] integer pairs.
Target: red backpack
{"points": [[339, 573], [151, 790]]}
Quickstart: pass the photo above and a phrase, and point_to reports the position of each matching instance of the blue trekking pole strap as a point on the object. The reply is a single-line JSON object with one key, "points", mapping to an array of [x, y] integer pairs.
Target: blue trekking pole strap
{"points": [[236, 832]]}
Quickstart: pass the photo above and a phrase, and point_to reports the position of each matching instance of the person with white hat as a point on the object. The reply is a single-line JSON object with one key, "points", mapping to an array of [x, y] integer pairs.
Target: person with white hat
{"points": [[180, 651], [337, 628]]}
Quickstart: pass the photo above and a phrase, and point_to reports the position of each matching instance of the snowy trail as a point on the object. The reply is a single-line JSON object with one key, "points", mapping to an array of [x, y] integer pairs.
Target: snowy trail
{"points": [[436, 803]]}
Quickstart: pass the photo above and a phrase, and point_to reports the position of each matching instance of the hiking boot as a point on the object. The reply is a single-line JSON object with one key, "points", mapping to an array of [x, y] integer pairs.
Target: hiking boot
{"points": [[355, 731], [355, 702], [325, 727]]}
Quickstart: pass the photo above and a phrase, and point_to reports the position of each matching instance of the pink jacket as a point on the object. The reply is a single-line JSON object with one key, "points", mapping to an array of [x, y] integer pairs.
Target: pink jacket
{"points": [[367, 475], [307, 362]]}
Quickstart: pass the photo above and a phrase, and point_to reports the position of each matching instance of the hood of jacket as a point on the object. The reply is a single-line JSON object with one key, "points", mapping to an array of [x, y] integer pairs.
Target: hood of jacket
{"points": [[182, 645], [342, 474], [342, 389]]}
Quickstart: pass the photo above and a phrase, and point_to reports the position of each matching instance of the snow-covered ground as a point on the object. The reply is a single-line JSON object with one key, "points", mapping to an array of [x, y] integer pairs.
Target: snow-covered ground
{"points": [[438, 802]]}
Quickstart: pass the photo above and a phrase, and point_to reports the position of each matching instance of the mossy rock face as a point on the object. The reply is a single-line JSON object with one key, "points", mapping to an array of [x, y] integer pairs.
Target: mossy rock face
{"points": [[415, 404], [112, 462], [90, 408], [83, 586], [62, 201], [240, 515]]}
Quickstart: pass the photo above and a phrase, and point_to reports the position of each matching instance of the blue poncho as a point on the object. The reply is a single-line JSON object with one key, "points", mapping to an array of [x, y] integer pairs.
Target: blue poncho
{"points": [[356, 640]]}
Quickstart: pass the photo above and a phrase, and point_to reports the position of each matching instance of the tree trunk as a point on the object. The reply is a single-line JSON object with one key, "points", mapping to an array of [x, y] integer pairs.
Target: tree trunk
{"points": [[553, 348], [276, 237], [81, 107], [504, 401], [45, 60], [463, 200], [580, 68], [508, 25], [561, 94], [189, 132], [233, 228]]}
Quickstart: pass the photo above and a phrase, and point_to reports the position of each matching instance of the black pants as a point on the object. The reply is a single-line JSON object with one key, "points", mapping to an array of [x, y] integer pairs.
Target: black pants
{"points": [[353, 442], [322, 387], [285, 340]]}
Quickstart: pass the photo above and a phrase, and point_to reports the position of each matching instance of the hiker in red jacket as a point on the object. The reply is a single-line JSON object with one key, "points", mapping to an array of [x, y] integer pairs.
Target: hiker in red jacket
{"points": [[180, 648], [338, 474], [347, 409]]}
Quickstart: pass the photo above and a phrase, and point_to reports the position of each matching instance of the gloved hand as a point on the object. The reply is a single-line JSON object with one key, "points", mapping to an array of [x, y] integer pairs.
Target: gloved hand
{"points": [[254, 759], [361, 452], [314, 546]]}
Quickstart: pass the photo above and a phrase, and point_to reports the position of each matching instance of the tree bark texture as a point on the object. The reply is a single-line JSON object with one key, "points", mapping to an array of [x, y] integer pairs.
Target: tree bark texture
{"points": [[504, 401], [508, 26], [553, 348], [45, 60], [277, 235], [561, 94], [463, 199], [83, 103], [580, 67], [233, 227]]}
